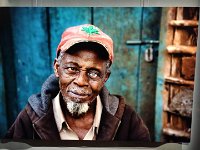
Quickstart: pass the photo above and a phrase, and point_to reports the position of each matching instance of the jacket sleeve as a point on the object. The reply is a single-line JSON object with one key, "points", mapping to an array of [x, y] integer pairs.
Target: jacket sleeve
{"points": [[21, 128]]}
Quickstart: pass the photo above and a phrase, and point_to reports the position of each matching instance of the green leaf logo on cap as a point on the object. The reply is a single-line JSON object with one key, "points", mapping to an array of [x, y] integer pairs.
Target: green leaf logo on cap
{"points": [[90, 30]]}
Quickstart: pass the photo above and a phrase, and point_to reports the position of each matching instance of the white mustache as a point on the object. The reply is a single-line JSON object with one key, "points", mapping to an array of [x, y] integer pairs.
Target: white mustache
{"points": [[79, 91]]}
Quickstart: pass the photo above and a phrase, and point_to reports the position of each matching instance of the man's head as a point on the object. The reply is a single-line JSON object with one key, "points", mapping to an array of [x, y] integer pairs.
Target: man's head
{"points": [[82, 66]]}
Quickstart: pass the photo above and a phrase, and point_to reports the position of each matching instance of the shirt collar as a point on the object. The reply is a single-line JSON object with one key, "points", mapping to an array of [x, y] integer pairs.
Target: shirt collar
{"points": [[59, 117], [97, 117], [58, 114]]}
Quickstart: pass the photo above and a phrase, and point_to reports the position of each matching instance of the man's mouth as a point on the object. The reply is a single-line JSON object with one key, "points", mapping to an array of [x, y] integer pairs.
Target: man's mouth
{"points": [[78, 95]]}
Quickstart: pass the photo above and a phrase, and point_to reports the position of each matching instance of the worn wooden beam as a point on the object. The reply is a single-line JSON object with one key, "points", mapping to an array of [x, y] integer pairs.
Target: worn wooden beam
{"points": [[178, 133], [184, 23], [180, 81], [181, 49], [166, 109]]}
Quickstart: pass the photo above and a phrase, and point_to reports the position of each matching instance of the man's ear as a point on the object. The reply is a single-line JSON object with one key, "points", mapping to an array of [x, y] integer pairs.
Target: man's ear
{"points": [[56, 66]]}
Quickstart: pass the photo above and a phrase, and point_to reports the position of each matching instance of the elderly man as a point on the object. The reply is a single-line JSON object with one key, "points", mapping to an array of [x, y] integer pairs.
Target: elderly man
{"points": [[74, 104]]}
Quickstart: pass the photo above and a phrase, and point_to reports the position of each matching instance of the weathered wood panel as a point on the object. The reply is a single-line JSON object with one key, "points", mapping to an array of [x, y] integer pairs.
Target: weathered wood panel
{"points": [[175, 126], [162, 90]]}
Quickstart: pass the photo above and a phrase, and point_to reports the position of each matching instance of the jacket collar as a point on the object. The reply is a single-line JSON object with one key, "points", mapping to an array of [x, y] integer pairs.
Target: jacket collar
{"points": [[109, 122]]}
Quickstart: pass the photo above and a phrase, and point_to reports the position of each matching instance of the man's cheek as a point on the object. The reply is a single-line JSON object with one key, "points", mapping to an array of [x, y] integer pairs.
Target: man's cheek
{"points": [[97, 87]]}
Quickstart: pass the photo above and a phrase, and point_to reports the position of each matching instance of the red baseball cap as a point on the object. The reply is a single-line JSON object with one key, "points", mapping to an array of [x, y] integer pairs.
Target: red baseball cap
{"points": [[85, 33]]}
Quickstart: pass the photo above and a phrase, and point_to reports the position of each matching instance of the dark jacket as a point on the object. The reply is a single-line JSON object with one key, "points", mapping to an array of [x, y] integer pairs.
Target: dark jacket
{"points": [[118, 121]]}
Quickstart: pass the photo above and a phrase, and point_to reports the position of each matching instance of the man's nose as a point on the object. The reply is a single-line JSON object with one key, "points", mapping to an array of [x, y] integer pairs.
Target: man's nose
{"points": [[82, 79]]}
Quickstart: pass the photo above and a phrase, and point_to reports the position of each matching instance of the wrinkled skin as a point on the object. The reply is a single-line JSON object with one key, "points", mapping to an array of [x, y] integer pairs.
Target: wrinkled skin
{"points": [[81, 75]]}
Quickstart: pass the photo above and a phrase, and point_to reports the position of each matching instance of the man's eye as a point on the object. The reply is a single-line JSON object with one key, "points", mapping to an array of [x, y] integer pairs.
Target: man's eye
{"points": [[93, 74], [71, 69]]}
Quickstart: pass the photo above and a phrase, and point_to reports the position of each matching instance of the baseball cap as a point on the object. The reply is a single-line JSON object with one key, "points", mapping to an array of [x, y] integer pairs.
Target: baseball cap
{"points": [[85, 33]]}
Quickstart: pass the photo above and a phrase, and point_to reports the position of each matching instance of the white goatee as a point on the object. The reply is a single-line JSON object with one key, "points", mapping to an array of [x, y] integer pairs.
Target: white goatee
{"points": [[75, 108]]}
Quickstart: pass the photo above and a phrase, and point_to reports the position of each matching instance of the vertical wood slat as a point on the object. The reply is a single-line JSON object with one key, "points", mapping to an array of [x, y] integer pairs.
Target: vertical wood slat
{"points": [[162, 90], [175, 66]]}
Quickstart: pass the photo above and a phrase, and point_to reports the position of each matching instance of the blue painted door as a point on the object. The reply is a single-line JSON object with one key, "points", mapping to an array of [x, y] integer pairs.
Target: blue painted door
{"points": [[32, 35], [131, 75]]}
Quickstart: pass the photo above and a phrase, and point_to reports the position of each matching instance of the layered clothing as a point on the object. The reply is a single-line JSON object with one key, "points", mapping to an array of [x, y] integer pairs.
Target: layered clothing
{"points": [[119, 121]]}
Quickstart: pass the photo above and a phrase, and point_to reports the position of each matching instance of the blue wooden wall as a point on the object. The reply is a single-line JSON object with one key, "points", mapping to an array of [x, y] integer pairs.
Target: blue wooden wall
{"points": [[28, 42]]}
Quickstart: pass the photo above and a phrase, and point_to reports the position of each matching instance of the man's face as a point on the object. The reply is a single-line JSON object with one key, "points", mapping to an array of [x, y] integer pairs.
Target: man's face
{"points": [[81, 75]]}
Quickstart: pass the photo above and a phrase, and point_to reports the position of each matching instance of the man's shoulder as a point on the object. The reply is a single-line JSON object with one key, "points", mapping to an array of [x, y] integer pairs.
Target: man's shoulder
{"points": [[27, 114]]}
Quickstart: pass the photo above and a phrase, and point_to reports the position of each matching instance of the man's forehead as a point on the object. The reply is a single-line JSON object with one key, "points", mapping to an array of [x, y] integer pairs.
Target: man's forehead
{"points": [[84, 61]]}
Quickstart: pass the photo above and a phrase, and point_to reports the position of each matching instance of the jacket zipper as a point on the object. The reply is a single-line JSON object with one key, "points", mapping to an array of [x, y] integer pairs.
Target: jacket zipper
{"points": [[35, 131], [116, 130]]}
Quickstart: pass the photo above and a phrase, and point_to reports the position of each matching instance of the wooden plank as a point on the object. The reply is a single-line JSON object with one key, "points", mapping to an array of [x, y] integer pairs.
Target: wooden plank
{"points": [[169, 35], [61, 18], [181, 49], [166, 109], [188, 67], [174, 89], [176, 122], [179, 14], [166, 93], [179, 81], [178, 133], [30, 42], [184, 23], [162, 90], [175, 66], [165, 121], [184, 36], [181, 37]]}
